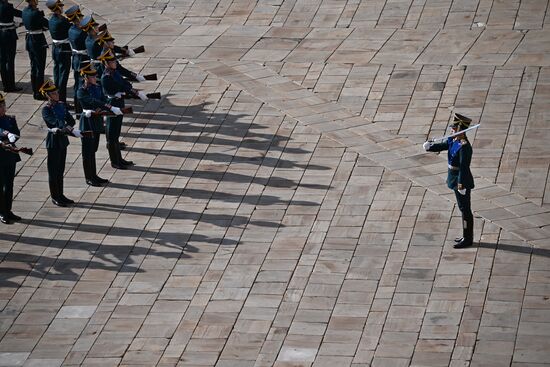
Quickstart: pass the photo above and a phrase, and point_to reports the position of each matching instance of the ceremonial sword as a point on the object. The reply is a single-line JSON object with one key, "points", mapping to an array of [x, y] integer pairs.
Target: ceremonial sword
{"points": [[454, 134]]}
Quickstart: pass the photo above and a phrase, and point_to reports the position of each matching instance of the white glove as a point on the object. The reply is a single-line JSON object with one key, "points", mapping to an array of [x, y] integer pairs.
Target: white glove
{"points": [[87, 113], [140, 78], [116, 110], [142, 96], [12, 137], [119, 94], [462, 192], [427, 145], [77, 133], [131, 52], [54, 130]]}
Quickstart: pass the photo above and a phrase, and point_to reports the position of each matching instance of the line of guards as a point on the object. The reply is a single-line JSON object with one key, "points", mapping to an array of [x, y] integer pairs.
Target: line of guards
{"points": [[101, 85]]}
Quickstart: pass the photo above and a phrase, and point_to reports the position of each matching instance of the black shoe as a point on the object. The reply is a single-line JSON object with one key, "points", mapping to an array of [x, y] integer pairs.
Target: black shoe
{"points": [[101, 180], [118, 166], [5, 219], [122, 145], [13, 90], [459, 239], [13, 217], [66, 200], [126, 163], [463, 244], [59, 203], [39, 97], [93, 183]]}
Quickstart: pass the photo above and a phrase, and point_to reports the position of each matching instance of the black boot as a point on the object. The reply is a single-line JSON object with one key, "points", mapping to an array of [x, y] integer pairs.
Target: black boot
{"points": [[4, 216], [468, 234], [114, 156], [122, 160], [96, 177], [89, 173], [55, 194], [63, 198]]}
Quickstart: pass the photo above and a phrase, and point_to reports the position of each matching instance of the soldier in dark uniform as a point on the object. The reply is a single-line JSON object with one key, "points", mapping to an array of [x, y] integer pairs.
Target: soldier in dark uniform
{"points": [[8, 45], [60, 124], [92, 99], [88, 25], [114, 87], [36, 45], [9, 133], [61, 48], [77, 39], [459, 177]]}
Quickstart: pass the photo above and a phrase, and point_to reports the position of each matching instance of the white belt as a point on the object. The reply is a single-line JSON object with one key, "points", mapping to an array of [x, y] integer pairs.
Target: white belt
{"points": [[79, 52], [60, 42], [7, 24], [453, 168], [35, 32], [95, 61]]}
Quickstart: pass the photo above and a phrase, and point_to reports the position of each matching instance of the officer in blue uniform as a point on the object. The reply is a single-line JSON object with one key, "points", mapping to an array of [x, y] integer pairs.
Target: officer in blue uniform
{"points": [[459, 176], [114, 87], [36, 45], [61, 48], [9, 133], [92, 99], [88, 25], [77, 40], [60, 124], [8, 45]]}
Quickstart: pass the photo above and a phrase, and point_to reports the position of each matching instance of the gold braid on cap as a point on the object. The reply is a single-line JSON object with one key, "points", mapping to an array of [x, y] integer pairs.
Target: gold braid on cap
{"points": [[107, 56], [47, 87], [88, 70], [105, 37]]}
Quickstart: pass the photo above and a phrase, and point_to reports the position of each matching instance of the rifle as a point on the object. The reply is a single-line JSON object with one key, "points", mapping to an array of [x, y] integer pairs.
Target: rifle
{"points": [[150, 76], [137, 50], [125, 110], [69, 132], [154, 95], [13, 149]]}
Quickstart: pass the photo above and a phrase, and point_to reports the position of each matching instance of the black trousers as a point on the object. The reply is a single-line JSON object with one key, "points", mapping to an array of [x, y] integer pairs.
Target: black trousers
{"points": [[56, 169], [90, 146], [113, 128], [37, 55], [464, 205], [7, 176], [61, 68], [8, 47], [76, 60]]}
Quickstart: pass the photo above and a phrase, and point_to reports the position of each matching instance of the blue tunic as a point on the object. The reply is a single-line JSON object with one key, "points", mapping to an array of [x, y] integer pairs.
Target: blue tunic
{"points": [[57, 115]]}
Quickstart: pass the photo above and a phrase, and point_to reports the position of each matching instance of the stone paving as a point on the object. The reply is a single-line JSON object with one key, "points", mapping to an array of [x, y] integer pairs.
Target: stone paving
{"points": [[282, 211]]}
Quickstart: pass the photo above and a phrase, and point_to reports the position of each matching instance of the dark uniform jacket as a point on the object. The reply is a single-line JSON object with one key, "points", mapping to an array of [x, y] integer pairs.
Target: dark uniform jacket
{"points": [[57, 115], [59, 28], [8, 123], [93, 47], [34, 20], [77, 38], [459, 156], [113, 83], [92, 98], [7, 13]]}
